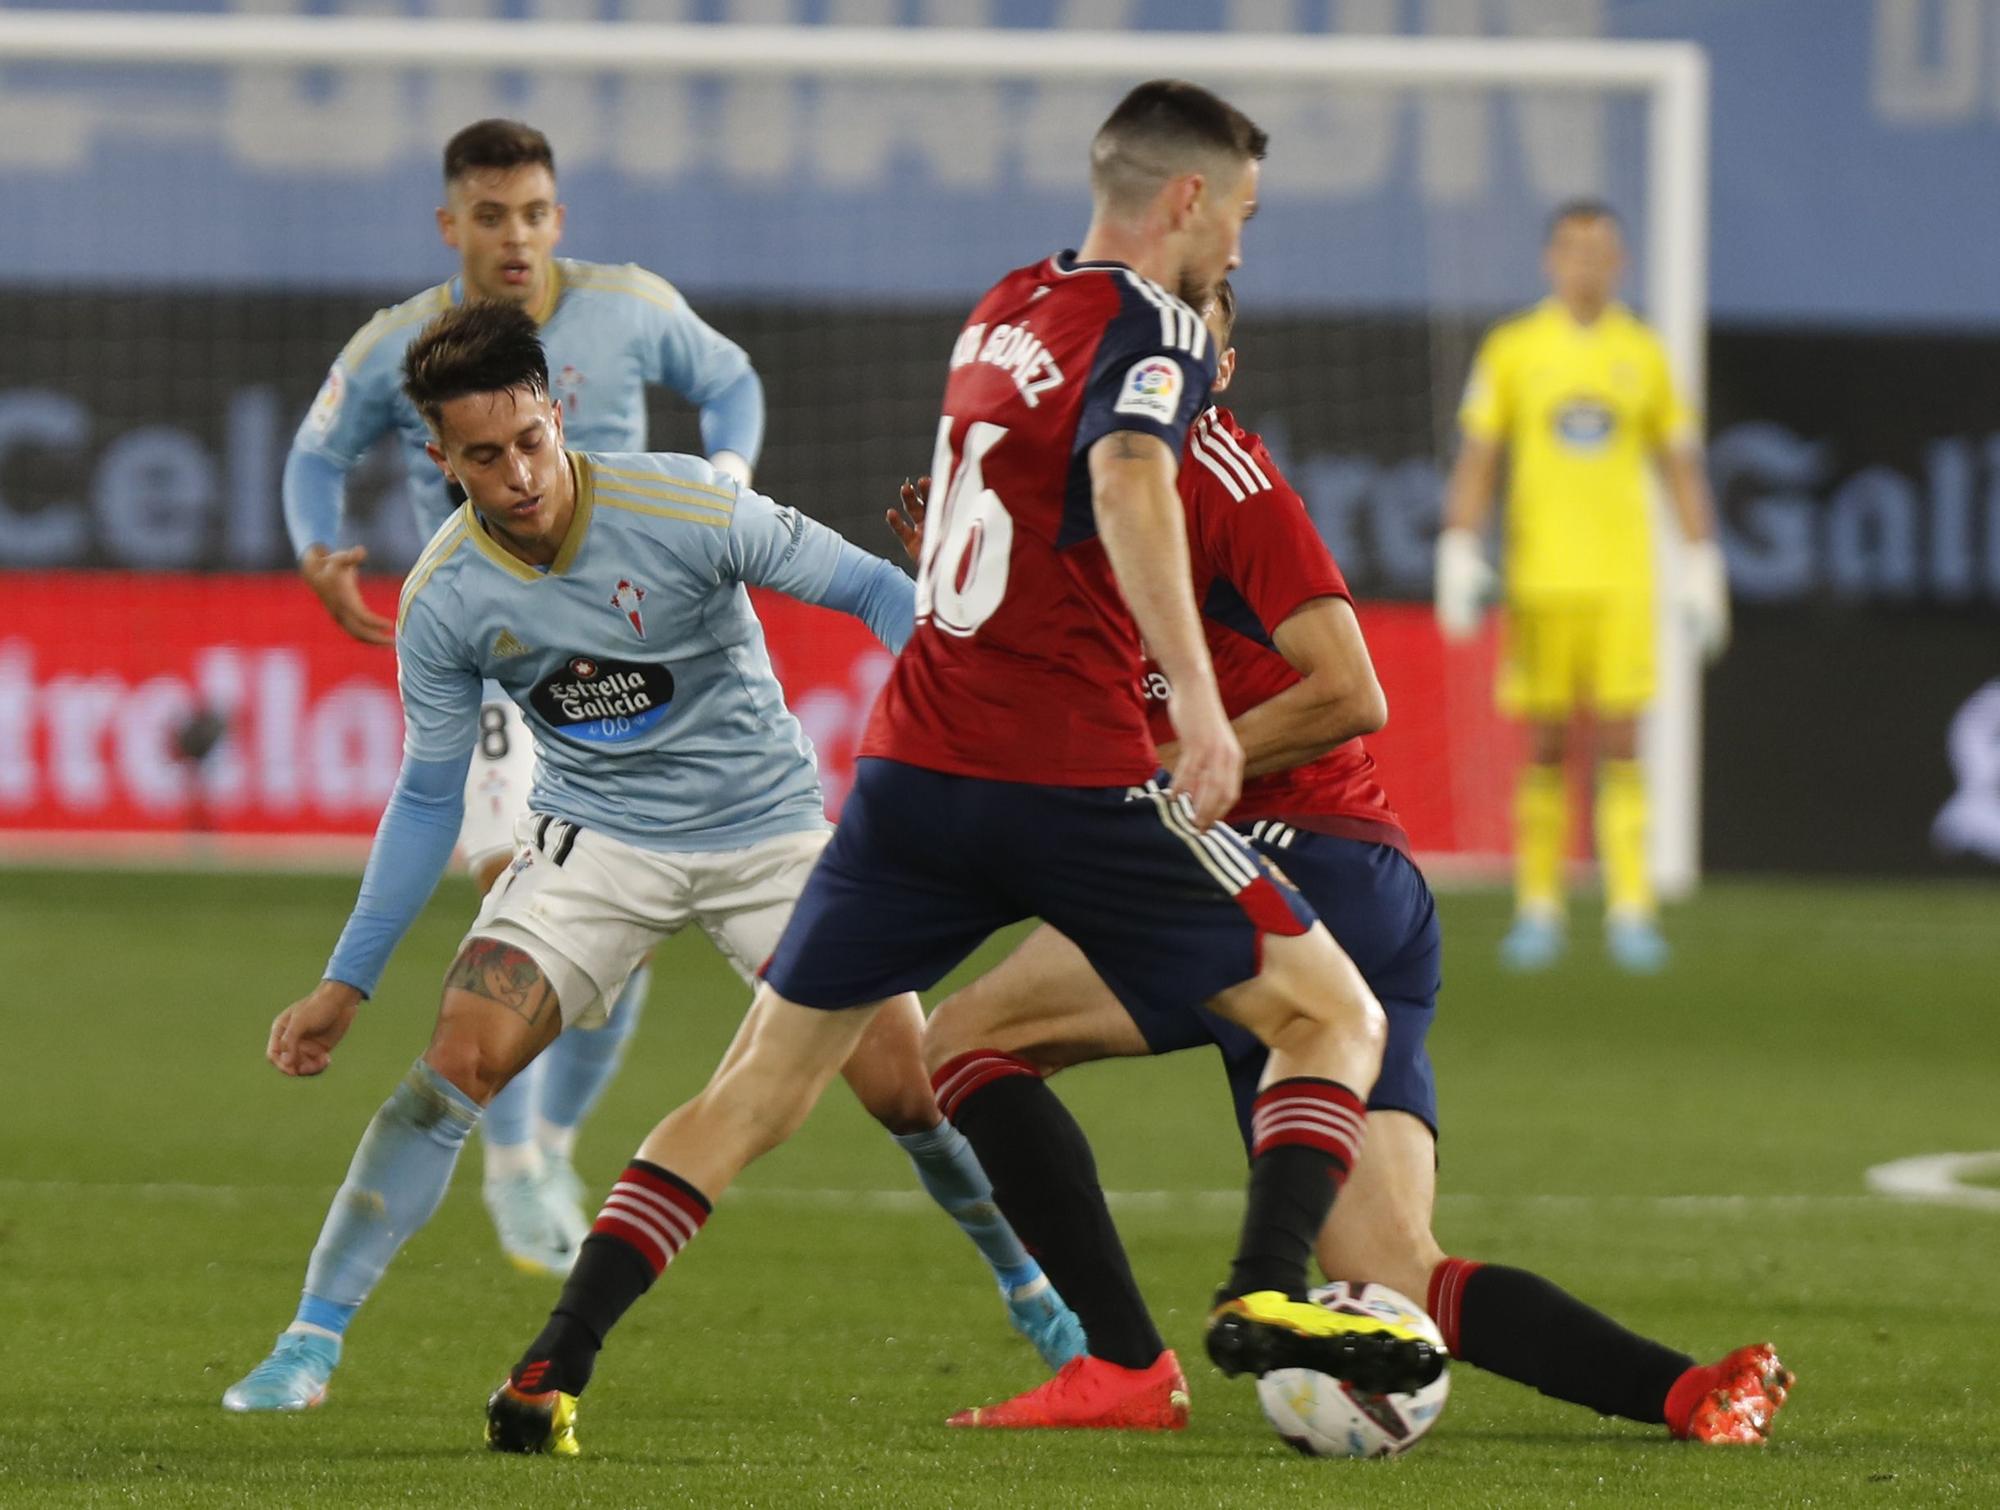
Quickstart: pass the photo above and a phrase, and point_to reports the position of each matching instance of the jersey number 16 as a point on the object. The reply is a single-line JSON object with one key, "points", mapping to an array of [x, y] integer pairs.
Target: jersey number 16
{"points": [[968, 538]]}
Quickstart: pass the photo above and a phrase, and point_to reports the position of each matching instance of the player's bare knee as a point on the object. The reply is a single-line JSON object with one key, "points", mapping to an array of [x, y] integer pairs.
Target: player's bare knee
{"points": [[1307, 1021], [498, 1011], [1351, 1011], [1401, 1265], [952, 1030], [468, 1064], [893, 1089], [911, 1109], [1399, 1259], [1362, 1020]]}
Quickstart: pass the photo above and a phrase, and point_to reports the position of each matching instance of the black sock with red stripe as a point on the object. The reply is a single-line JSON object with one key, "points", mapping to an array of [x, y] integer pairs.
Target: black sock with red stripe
{"points": [[1520, 1326], [1045, 1183], [1304, 1134], [650, 1215]]}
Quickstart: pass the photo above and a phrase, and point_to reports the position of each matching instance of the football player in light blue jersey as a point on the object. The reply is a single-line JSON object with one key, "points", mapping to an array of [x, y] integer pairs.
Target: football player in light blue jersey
{"points": [[609, 333], [605, 593]]}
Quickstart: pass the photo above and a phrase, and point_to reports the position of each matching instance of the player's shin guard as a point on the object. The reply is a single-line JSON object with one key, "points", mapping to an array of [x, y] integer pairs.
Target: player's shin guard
{"points": [[1045, 1181], [1305, 1133], [1520, 1326], [580, 1063], [650, 1215], [1622, 817], [397, 1177], [1541, 834]]}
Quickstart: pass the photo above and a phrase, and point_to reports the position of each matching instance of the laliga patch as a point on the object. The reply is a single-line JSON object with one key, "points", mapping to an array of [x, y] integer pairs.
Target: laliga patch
{"points": [[1151, 390], [602, 701], [326, 403]]}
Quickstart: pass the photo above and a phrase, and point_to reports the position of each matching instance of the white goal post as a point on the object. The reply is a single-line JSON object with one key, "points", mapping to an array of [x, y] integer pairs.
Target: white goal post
{"points": [[1669, 78]]}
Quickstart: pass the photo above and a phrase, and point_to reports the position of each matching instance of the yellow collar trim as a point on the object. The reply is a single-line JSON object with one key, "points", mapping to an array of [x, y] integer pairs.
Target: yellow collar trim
{"points": [[579, 524], [551, 296], [493, 550], [545, 307], [585, 487]]}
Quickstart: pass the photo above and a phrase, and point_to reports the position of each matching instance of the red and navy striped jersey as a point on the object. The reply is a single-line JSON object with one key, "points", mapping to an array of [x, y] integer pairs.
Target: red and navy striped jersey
{"points": [[1024, 665], [1257, 559]]}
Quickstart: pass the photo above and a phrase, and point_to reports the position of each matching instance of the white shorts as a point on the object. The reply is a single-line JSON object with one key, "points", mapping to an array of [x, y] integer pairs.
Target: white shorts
{"points": [[587, 908], [496, 785]]}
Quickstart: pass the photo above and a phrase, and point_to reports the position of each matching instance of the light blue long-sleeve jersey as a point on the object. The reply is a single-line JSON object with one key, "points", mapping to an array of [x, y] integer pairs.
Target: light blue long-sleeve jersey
{"points": [[635, 659], [610, 332]]}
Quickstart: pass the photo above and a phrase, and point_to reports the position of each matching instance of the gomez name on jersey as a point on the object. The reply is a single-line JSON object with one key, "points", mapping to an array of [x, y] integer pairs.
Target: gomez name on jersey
{"points": [[1015, 350]]}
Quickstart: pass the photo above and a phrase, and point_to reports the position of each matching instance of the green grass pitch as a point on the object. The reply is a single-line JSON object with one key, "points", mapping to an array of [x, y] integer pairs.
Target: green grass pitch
{"points": [[1687, 1152]]}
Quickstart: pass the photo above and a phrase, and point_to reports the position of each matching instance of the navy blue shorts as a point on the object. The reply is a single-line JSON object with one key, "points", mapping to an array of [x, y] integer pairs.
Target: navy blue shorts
{"points": [[924, 866], [1375, 903]]}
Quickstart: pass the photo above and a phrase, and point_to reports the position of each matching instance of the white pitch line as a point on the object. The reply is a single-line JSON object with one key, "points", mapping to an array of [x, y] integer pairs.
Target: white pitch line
{"points": [[160, 1190], [1939, 1179]]}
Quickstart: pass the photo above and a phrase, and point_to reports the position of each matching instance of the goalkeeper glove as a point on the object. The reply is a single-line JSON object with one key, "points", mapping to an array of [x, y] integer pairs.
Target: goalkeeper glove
{"points": [[1704, 596], [1464, 581]]}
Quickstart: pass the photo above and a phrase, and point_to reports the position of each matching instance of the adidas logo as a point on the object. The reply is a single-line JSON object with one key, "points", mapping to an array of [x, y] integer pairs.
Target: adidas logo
{"points": [[508, 645]]}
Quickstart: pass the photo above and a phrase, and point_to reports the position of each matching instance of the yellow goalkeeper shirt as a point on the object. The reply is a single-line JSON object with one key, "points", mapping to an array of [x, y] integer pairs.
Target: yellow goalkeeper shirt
{"points": [[1581, 410]]}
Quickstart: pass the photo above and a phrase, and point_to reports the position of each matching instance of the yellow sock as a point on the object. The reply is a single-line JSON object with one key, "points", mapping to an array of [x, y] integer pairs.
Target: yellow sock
{"points": [[1621, 838], [1541, 832]]}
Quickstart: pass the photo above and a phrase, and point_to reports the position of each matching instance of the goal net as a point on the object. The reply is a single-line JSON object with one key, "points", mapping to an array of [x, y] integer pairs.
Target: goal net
{"points": [[203, 209]]}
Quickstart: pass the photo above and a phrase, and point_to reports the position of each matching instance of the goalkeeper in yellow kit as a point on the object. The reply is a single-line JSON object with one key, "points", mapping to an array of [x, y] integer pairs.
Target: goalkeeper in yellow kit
{"points": [[1577, 395]]}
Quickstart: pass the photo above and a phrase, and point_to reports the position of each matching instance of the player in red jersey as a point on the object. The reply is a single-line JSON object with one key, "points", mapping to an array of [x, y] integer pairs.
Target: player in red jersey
{"points": [[1296, 679], [1008, 773]]}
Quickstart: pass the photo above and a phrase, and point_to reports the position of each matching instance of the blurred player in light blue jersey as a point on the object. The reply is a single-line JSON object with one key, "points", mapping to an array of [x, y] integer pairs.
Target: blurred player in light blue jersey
{"points": [[605, 594], [609, 332]]}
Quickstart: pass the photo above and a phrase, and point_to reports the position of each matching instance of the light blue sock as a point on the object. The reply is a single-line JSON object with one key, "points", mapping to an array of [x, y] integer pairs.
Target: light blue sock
{"points": [[950, 1171], [510, 1117], [581, 1062], [325, 1315], [398, 1176]]}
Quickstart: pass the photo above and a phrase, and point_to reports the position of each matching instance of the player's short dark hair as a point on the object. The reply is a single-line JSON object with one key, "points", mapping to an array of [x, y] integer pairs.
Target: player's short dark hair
{"points": [[1224, 305], [483, 347], [1163, 129], [496, 146], [1581, 208]]}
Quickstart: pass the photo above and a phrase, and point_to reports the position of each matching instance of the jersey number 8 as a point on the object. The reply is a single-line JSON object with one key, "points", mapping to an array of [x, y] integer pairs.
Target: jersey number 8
{"points": [[968, 539], [493, 731]]}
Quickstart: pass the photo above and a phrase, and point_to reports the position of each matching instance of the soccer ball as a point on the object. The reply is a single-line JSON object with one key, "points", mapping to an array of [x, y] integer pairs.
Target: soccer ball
{"points": [[1324, 1418]]}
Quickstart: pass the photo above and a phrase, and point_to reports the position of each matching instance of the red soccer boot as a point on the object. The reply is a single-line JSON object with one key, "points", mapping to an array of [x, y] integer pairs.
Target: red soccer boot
{"points": [[1089, 1394], [1733, 1401]]}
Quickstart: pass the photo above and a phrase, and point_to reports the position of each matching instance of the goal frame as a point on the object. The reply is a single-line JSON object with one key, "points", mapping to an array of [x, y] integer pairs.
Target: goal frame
{"points": [[1671, 78]]}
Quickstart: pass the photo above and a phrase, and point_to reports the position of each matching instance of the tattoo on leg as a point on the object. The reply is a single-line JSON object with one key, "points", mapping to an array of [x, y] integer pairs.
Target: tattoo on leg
{"points": [[500, 972]]}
